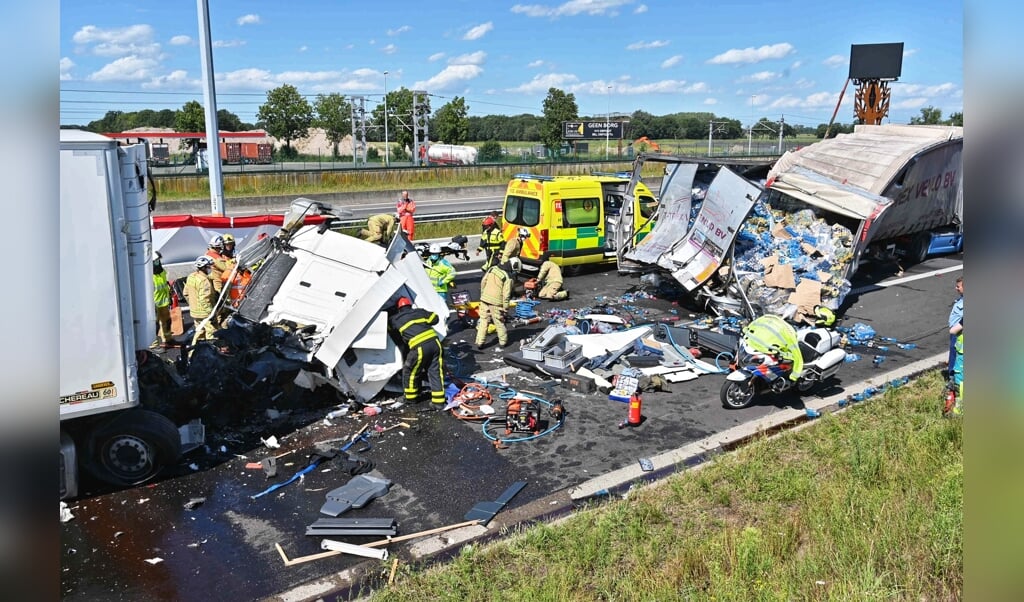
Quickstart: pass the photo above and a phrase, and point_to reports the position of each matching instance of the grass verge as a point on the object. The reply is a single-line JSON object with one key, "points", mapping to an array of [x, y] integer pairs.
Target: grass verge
{"points": [[866, 504]]}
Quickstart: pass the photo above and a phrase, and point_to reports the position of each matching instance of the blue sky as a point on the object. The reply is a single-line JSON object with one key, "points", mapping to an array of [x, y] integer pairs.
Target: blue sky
{"points": [[742, 60]]}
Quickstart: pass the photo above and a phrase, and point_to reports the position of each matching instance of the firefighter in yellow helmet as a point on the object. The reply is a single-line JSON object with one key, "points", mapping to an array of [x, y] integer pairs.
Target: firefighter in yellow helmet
{"points": [[201, 298], [495, 294]]}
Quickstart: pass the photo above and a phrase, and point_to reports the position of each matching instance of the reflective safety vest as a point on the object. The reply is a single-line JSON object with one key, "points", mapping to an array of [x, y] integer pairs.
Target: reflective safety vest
{"points": [[237, 290], [161, 289], [770, 334]]}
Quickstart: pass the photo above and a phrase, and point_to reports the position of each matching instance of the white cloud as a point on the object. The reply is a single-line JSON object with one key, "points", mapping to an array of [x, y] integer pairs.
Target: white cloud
{"points": [[475, 58], [535, 64], [710, 101], [671, 61], [127, 68], [450, 77], [133, 34], [744, 56], [541, 83], [909, 52], [696, 88], [836, 60], [177, 79], [65, 68], [760, 76], [389, 49], [228, 43], [818, 100], [298, 78], [911, 103], [572, 8], [181, 40], [647, 45], [479, 31], [919, 90], [249, 19], [399, 31], [119, 41], [303, 48], [436, 57], [639, 10], [247, 79]]}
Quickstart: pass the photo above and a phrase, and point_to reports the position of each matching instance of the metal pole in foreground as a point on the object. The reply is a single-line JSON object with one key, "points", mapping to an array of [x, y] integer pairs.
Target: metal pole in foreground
{"points": [[210, 102], [387, 153], [607, 123]]}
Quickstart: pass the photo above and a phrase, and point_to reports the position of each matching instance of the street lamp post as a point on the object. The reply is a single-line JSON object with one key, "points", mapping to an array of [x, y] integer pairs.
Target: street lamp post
{"points": [[750, 129], [387, 152], [607, 123]]}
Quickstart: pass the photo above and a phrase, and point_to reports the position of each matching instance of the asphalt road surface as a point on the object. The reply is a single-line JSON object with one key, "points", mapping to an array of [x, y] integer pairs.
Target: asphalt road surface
{"points": [[440, 467]]}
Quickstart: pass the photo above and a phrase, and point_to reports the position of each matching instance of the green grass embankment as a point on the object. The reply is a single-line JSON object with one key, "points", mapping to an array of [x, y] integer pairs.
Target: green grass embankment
{"points": [[862, 505]]}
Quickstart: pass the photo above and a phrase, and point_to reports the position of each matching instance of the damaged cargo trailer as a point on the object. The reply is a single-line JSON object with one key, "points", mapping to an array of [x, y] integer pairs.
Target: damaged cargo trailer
{"points": [[107, 319], [333, 290], [882, 191]]}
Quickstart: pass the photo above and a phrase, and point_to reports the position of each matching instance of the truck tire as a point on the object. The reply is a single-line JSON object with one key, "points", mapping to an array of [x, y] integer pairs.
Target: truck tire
{"points": [[132, 448], [918, 248]]}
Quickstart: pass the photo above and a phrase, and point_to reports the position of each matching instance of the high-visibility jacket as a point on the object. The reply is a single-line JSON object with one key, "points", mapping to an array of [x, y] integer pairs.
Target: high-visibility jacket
{"points": [[414, 324], [221, 263], [496, 287], [441, 274], [237, 290], [769, 334], [200, 294], [405, 208], [550, 273], [161, 289], [491, 240]]}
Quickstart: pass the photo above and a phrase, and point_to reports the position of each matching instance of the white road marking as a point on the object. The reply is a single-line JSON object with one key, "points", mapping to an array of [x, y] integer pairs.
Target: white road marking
{"points": [[888, 283]]}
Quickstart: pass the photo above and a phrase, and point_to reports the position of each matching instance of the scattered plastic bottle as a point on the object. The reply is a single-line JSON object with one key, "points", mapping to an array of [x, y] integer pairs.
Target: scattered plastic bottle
{"points": [[877, 360], [906, 346], [337, 413], [371, 410], [852, 357]]}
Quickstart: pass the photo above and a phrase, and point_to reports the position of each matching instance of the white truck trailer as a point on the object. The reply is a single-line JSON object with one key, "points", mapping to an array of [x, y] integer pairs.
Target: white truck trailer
{"points": [[107, 317]]}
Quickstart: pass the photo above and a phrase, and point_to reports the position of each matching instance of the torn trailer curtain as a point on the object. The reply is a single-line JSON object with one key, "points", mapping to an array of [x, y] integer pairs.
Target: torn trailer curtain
{"points": [[695, 257], [338, 288], [673, 217]]}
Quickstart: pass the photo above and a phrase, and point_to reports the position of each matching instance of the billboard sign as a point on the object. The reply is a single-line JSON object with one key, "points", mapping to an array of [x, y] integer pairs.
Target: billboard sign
{"points": [[592, 130]]}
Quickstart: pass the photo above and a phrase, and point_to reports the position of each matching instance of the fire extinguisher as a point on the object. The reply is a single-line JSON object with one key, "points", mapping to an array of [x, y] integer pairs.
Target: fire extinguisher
{"points": [[633, 417]]}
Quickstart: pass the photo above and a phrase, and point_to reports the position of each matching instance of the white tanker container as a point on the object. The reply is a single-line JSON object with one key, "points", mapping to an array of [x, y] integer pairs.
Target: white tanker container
{"points": [[451, 154]]}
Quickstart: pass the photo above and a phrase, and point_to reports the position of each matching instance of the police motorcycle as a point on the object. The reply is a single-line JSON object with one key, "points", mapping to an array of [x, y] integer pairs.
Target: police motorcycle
{"points": [[773, 356]]}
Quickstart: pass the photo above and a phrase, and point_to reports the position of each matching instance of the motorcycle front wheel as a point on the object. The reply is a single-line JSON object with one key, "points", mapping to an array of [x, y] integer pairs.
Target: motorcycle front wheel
{"points": [[737, 395]]}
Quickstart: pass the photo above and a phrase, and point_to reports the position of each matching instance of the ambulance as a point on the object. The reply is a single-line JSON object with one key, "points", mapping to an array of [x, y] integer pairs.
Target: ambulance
{"points": [[573, 219]]}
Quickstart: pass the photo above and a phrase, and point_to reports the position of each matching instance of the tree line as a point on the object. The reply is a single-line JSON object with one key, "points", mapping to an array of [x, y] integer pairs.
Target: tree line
{"points": [[288, 115]]}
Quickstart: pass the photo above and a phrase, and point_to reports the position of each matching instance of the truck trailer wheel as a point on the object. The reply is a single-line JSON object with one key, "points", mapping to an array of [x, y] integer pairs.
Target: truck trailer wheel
{"points": [[918, 248], [132, 448]]}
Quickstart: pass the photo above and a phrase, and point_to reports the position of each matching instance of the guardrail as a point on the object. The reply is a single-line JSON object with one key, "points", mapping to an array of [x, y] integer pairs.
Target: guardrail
{"points": [[429, 218]]}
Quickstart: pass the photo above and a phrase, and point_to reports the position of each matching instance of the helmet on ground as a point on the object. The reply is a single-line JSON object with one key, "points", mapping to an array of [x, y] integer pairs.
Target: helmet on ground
{"points": [[203, 261], [228, 239], [516, 264], [824, 315], [488, 222], [217, 242], [524, 233], [435, 249], [403, 302]]}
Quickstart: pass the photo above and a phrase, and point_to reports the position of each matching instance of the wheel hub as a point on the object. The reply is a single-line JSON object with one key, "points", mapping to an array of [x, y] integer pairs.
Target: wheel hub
{"points": [[128, 455]]}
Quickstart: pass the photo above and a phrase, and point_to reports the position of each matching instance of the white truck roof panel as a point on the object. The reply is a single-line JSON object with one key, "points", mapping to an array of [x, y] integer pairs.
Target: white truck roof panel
{"points": [[869, 158]]}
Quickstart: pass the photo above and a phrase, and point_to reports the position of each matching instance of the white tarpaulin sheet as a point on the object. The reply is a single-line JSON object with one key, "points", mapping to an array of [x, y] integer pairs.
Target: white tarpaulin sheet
{"points": [[695, 258], [673, 214], [869, 158], [830, 195]]}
